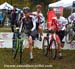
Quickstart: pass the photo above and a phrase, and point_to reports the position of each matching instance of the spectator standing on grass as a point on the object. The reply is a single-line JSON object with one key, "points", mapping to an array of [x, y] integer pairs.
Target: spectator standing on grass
{"points": [[13, 18]]}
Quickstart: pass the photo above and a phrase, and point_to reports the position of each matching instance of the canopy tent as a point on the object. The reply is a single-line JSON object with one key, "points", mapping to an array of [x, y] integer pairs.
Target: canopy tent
{"points": [[68, 3], [6, 6], [56, 4], [63, 3]]}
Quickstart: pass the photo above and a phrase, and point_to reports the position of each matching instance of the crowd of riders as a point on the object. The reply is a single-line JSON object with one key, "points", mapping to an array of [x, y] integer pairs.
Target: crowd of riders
{"points": [[31, 23]]}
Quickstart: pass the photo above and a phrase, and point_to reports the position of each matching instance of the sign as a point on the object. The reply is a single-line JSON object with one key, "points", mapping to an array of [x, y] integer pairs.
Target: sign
{"points": [[6, 40]]}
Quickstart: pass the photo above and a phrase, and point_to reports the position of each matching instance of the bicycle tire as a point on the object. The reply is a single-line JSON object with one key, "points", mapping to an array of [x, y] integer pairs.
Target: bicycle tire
{"points": [[69, 37], [15, 49], [53, 51], [45, 46], [21, 51]]}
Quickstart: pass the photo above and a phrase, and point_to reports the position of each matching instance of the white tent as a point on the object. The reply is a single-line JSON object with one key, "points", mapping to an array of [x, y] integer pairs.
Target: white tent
{"points": [[56, 4], [68, 3], [6, 6], [63, 3]]}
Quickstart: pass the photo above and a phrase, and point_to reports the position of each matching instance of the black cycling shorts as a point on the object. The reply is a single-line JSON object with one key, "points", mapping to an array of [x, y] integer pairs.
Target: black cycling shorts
{"points": [[61, 35]]}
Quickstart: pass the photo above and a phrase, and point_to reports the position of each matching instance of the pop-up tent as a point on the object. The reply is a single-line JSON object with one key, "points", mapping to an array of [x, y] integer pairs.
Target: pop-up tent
{"points": [[68, 3], [63, 3], [56, 4], [6, 6]]}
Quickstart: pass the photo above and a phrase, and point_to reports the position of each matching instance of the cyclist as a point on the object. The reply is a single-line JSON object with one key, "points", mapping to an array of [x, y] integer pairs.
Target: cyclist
{"points": [[53, 26], [71, 19], [62, 27], [40, 20], [28, 26]]}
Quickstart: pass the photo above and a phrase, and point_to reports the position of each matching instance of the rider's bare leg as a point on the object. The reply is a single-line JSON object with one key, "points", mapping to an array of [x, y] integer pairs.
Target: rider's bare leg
{"points": [[40, 31], [31, 43]]}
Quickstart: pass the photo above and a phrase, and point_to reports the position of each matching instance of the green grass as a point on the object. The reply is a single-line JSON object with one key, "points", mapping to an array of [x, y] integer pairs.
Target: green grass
{"points": [[68, 61], [5, 29]]}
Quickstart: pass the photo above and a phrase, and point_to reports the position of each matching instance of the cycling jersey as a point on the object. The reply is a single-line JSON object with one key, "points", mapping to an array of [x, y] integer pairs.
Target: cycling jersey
{"points": [[62, 23], [39, 17], [28, 26], [54, 24], [30, 23]]}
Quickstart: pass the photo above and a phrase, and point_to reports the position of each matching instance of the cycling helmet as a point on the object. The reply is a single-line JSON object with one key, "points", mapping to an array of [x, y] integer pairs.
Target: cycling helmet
{"points": [[39, 6], [26, 9]]}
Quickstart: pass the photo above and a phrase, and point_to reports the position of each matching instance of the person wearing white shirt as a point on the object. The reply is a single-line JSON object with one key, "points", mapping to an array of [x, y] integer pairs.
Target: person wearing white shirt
{"points": [[62, 27], [40, 20]]}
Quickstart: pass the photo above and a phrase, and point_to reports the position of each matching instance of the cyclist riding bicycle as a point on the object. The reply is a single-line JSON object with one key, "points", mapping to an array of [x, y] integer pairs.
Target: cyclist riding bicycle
{"points": [[53, 27], [62, 27], [28, 26], [40, 20], [71, 19]]}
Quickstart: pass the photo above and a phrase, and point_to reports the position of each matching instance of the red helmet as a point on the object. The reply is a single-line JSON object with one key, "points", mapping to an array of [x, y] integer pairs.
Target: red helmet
{"points": [[39, 6]]}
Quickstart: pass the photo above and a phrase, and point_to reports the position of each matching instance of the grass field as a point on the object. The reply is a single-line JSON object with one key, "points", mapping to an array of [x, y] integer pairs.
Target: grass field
{"points": [[68, 61], [5, 29]]}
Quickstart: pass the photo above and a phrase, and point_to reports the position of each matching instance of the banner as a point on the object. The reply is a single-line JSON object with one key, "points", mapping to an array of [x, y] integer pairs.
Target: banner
{"points": [[6, 42]]}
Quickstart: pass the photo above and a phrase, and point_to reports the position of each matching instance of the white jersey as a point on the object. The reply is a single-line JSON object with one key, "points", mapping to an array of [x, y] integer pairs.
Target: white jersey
{"points": [[39, 17], [71, 18], [62, 22]]}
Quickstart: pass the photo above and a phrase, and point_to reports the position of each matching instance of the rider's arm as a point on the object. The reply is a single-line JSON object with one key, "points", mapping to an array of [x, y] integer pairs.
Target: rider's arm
{"points": [[42, 20], [21, 25], [69, 18], [34, 24]]}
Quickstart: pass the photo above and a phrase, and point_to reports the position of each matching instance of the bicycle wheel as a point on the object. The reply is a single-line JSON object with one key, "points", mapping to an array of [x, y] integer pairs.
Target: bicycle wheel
{"points": [[21, 50], [69, 37], [15, 48], [45, 45], [53, 49]]}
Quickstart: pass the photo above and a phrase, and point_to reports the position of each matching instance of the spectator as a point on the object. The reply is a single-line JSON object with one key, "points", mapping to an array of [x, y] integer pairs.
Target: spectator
{"points": [[1, 17], [13, 18]]}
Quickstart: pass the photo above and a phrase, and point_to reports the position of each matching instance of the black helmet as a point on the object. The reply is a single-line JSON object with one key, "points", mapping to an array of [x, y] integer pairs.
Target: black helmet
{"points": [[26, 9]]}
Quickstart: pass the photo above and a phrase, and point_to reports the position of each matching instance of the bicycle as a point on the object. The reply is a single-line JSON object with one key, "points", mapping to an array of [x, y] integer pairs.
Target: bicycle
{"points": [[18, 47], [50, 46], [70, 37]]}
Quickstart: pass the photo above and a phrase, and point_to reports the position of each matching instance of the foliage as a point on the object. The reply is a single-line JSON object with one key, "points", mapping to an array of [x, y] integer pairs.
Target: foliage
{"points": [[30, 3]]}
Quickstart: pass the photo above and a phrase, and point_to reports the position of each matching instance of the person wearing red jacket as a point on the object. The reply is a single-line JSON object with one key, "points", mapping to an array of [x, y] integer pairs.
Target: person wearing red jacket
{"points": [[53, 25]]}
